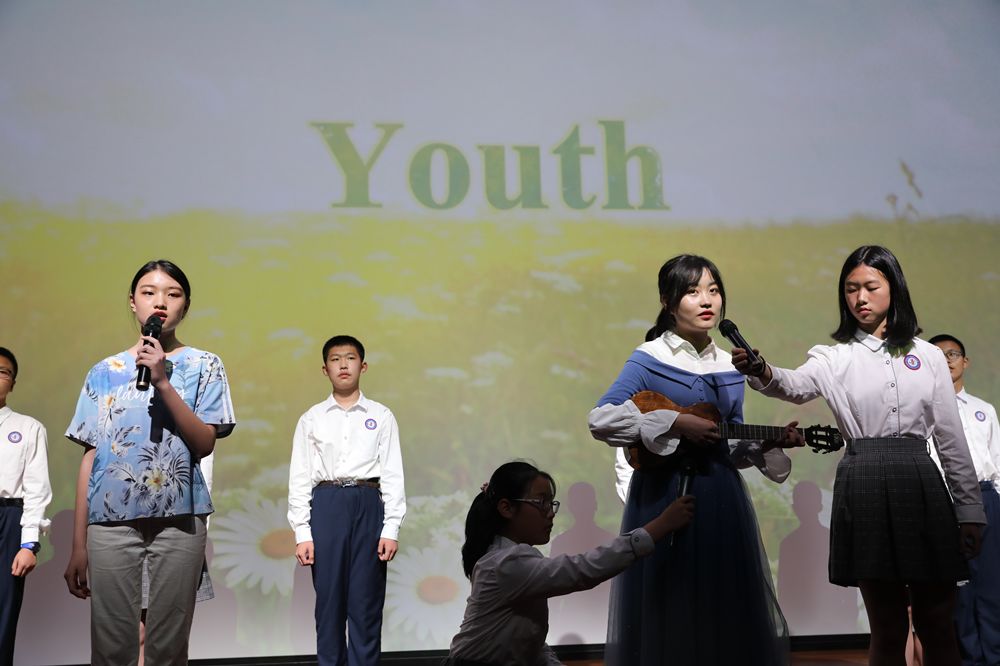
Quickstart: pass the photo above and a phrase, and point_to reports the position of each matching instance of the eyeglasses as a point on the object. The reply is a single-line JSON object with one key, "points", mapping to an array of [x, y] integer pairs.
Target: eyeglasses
{"points": [[542, 505], [952, 354]]}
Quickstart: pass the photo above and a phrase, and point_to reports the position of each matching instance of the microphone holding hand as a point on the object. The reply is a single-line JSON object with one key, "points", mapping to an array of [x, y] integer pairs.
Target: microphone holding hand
{"points": [[152, 328], [749, 363]]}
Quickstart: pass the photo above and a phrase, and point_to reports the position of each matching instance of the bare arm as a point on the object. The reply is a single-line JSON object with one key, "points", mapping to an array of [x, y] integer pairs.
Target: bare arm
{"points": [[76, 570]]}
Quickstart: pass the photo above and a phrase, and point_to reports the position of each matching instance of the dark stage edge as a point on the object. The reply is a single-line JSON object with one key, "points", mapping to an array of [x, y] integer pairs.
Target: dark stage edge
{"points": [[565, 652]]}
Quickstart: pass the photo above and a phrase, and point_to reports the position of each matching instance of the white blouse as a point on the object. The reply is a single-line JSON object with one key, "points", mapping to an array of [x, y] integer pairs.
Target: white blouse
{"points": [[507, 615], [877, 392]]}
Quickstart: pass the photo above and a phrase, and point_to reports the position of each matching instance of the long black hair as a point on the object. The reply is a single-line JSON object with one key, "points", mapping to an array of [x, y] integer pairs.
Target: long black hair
{"points": [[677, 276], [510, 481], [901, 321]]}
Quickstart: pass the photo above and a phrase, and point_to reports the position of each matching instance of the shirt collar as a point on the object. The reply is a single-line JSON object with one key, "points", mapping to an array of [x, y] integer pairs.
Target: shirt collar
{"points": [[678, 344], [869, 340], [962, 395], [5, 410], [361, 404]]}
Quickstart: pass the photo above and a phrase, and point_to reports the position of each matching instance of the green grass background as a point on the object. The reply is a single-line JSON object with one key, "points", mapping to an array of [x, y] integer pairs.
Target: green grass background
{"points": [[490, 340]]}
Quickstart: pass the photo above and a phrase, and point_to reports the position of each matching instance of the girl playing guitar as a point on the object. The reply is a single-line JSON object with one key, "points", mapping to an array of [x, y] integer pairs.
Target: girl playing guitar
{"points": [[706, 597]]}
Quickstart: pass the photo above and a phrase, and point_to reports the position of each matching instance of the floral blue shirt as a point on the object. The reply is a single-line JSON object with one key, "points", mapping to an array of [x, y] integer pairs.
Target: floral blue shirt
{"points": [[142, 467]]}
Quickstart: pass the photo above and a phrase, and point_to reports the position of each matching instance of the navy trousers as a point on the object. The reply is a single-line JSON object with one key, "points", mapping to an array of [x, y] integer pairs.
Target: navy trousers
{"points": [[11, 587], [977, 613], [348, 576]]}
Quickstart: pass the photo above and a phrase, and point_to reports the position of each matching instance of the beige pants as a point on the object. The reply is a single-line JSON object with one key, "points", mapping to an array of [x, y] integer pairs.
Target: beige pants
{"points": [[174, 549]]}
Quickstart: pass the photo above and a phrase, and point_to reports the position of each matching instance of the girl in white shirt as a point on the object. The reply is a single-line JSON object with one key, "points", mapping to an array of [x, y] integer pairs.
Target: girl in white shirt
{"points": [[893, 528], [506, 618]]}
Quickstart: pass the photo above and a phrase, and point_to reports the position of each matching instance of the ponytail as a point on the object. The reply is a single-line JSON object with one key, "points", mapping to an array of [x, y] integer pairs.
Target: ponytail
{"points": [[664, 321], [483, 523], [481, 527]]}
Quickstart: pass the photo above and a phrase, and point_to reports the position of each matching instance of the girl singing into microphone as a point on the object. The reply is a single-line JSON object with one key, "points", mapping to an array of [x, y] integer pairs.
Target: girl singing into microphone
{"points": [[707, 598], [893, 528], [142, 492]]}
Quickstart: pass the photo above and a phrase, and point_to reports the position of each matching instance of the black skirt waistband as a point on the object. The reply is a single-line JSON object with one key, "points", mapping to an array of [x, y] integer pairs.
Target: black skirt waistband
{"points": [[886, 445], [11, 501]]}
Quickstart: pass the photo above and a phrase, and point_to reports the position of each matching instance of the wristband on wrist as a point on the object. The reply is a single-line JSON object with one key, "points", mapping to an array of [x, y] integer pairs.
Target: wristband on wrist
{"points": [[33, 546]]}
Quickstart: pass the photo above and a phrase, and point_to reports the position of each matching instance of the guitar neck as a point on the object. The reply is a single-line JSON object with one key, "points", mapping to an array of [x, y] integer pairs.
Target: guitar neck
{"points": [[746, 431]]}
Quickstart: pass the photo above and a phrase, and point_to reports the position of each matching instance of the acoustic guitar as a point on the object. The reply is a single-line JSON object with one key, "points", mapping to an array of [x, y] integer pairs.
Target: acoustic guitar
{"points": [[820, 438]]}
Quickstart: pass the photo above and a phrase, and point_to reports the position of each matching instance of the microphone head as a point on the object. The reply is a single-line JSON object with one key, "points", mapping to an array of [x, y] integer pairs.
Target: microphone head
{"points": [[727, 327], [153, 326]]}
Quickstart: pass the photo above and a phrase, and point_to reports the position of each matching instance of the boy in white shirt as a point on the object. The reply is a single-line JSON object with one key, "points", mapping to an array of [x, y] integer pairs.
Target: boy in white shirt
{"points": [[346, 503], [977, 612], [24, 494]]}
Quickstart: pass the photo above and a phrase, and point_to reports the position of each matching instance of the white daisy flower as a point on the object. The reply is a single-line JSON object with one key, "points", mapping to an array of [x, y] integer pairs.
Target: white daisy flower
{"points": [[115, 364], [256, 547], [426, 594], [155, 479]]}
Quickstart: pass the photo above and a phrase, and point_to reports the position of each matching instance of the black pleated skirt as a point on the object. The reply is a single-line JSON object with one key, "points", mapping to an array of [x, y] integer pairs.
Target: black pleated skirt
{"points": [[892, 516]]}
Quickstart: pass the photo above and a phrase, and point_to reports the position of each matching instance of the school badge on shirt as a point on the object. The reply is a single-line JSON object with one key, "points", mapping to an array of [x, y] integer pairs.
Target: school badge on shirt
{"points": [[980, 416], [14, 437], [370, 424], [911, 362]]}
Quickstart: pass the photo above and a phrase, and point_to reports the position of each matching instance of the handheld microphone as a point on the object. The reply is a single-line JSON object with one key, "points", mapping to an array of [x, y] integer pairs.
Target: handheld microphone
{"points": [[731, 333], [152, 328]]}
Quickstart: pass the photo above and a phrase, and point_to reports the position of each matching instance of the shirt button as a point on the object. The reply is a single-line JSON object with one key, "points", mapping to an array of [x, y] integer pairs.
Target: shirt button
{"points": [[893, 409], [893, 385], [888, 362]]}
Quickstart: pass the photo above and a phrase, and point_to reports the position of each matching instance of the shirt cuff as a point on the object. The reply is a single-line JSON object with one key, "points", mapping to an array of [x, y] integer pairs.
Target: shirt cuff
{"points": [[303, 533], [758, 385], [642, 544], [970, 513], [653, 430], [773, 463], [29, 534], [390, 532]]}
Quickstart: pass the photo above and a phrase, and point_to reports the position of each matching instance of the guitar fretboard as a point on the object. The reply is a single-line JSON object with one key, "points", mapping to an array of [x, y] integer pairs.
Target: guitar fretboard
{"points": [[746, 431]]}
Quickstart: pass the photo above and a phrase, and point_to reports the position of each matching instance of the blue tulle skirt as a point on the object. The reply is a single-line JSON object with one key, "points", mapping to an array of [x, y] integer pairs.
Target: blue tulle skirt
{"points": [[707, 599]]}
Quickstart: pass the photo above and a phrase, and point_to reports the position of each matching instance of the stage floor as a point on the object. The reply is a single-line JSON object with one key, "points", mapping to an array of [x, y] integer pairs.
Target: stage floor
{"points": [[812, 658]]}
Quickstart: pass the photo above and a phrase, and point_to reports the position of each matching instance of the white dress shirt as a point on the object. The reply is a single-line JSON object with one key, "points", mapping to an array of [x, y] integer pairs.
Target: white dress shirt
{"points": [[624, 425], [359, 442], [877, 393], [24, 469], [507, 615], [982, 431]]}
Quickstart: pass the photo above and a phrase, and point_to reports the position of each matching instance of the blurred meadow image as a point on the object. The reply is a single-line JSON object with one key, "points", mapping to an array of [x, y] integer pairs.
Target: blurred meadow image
{"points": [[490, 341]]}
